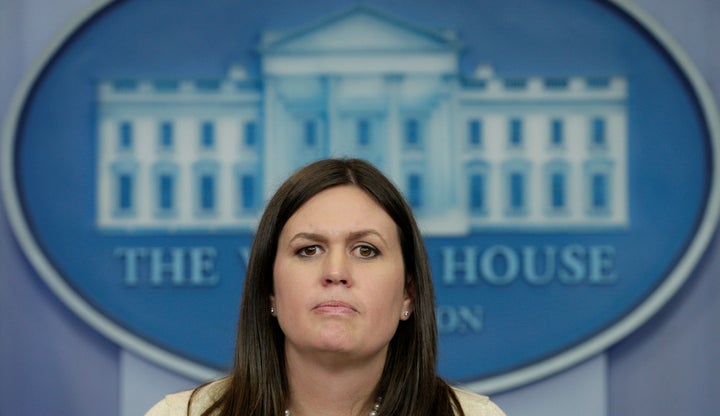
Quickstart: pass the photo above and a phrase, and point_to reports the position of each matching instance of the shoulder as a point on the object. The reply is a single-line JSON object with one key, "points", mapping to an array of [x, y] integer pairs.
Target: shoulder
{"points": [[477, 405], [176, 404]]}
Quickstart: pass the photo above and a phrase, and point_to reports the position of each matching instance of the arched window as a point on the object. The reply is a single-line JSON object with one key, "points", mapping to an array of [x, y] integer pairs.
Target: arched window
{"points": [[124, 183], [247, 185], [165, 178], [556, 181], [477, 188], [415, 190], [363, 132], [516, 187], [206, 187], [598, 187]]}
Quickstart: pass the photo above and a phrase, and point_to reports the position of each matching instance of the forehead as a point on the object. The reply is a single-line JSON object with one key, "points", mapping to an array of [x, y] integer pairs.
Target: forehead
{"points": [[341, 207]]}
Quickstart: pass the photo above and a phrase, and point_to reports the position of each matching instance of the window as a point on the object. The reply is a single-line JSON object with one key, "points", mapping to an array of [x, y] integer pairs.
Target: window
{"points": [[599, 139], [207, 135], [125, 142], [363, 132], [556, 83], [516, 187], [207, 192], [557, 133], [166, 135], [165, 177], [415, 190], [517, 191], [166, 194], [124, 187], [126, 184], [206, 188], [477, 173], [250, 139], [477, 193], [310, 133], [475, 133], [557, 191], [412, 133], [247, 192], [556, 186], [516, 133], [598, 82], [599, 192]]}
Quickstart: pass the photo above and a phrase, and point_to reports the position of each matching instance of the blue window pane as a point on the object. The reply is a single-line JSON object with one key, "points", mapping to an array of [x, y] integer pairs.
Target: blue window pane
{"points": [[599, 191], [250, 134], [207, 135], [363, 132], [412, 133], [126, 136], [556, 83], [598, 82], [166, 135], [125, 192], [517, 191], [310, 133], [477, 192], [516, 134], [415, 191], [475, 133], [557, 190], [207, 192], [598, 132], [557, 132], [248, 191], [167, 191]]}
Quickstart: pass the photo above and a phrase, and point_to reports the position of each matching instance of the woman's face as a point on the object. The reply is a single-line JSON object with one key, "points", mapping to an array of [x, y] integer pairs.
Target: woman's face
{"points": [[339, 277]]}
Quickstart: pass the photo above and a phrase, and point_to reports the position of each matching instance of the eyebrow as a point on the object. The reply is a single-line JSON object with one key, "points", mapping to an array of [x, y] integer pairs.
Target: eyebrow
{"points": [[352, 236]]}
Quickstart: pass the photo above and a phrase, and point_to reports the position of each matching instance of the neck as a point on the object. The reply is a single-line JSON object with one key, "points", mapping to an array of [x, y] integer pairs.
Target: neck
{"points": [[330, 384]]}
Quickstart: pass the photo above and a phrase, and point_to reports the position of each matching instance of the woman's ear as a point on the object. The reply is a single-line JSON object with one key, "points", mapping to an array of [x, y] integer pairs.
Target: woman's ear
{"points": [[409, 295], [273, 309]]}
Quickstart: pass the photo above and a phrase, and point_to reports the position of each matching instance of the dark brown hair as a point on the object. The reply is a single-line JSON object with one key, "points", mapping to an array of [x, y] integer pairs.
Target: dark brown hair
{"points": [[258, 385]]}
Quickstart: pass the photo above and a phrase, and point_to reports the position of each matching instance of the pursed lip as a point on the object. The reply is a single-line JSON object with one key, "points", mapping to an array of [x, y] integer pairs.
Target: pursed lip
{"points": [[334, 307]]}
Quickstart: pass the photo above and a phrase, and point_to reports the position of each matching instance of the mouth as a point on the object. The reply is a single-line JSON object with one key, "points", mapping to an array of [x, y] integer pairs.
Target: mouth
{"points": [[334, 307]]}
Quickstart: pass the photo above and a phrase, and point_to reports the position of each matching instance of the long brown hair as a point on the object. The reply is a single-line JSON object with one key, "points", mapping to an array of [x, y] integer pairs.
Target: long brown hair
{"points": [[258, 385]]}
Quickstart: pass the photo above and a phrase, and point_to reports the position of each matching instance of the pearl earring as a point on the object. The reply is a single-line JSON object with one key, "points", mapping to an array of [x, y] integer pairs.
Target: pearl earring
{"points": [[272, 310], [406, 313]]}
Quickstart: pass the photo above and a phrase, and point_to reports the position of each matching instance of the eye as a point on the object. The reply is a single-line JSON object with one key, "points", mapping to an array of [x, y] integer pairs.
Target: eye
{"points": [[308, 251], [366, 251]]}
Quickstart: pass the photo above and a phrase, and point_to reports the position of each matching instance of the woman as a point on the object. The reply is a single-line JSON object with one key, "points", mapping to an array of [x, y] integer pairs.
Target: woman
{"points": [[338, 313]]}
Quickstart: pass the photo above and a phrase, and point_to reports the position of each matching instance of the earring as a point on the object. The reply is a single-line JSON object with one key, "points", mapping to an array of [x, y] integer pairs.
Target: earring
{"points": [[272, 310], [406, 313]]}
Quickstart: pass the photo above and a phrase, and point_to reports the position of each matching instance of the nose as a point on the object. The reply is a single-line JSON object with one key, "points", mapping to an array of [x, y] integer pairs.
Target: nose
{"points": [[336, 270]]}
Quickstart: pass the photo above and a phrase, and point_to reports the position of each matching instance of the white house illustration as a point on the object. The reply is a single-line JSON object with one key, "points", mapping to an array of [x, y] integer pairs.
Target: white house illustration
{"points": [[470, 151]]}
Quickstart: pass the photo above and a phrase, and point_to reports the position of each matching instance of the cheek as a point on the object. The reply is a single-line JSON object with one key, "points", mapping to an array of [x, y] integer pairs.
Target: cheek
{"points": [[287, 285]]}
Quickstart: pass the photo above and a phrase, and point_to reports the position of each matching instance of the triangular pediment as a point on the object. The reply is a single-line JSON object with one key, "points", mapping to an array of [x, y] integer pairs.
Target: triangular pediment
{"points": [[359, 29]]}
